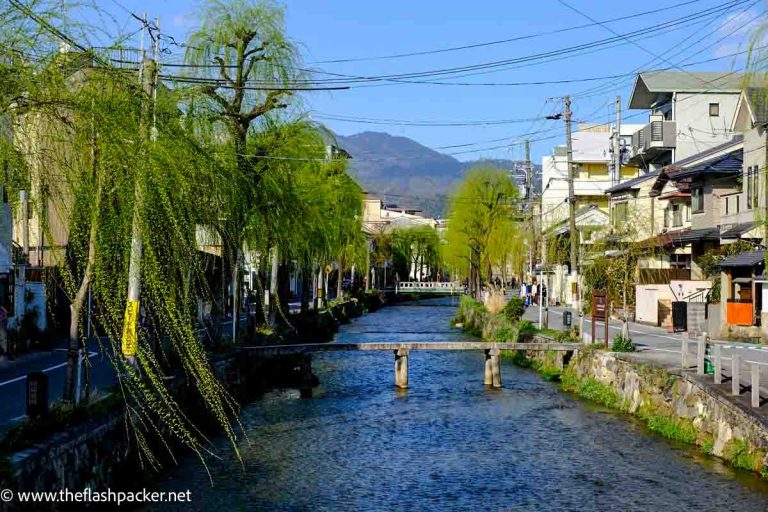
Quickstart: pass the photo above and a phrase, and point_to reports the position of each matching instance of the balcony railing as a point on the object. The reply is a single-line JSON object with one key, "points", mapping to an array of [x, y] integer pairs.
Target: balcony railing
{"points": [[656, 135]]}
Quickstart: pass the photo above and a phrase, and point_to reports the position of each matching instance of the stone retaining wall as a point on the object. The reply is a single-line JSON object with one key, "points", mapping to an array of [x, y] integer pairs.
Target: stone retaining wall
{"points": [[676, 403]]}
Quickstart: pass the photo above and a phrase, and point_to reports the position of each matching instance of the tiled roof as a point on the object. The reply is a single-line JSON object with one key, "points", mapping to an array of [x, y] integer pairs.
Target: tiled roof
{"points": [[737, 230], [630, 184], [725, 164], [697, 235], [744, 259], [737, 139]]}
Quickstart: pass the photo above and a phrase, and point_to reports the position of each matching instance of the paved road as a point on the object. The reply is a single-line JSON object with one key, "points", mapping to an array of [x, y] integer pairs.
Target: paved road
{"points": [[13, 379], [661, 348]]}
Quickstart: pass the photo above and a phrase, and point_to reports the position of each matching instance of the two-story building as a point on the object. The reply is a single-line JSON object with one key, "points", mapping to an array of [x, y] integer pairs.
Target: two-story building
{"points": [[690, 112]]}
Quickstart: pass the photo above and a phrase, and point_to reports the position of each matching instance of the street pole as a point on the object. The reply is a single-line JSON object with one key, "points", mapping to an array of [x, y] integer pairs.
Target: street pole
{"points": [[130, 336], [528, 171], [616, 178], [571, 199]]}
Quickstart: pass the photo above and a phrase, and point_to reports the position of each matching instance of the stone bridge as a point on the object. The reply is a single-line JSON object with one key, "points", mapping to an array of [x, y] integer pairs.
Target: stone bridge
{"points": [[402, 351]]}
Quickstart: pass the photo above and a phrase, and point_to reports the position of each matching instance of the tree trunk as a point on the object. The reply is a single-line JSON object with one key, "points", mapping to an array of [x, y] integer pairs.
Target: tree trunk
{"points": [[273, 295], [236, 274], [340, 283], [76, 307]]}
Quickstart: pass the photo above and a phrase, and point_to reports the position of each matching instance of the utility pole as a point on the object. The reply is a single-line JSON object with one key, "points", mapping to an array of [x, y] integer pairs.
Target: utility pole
{"points": [[528, 171], [529, 201], [616, 175], [130, 340], [571, 201]]}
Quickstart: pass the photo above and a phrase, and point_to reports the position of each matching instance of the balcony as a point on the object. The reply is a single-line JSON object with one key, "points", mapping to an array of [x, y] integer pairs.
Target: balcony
{"points": [[654, 139]]}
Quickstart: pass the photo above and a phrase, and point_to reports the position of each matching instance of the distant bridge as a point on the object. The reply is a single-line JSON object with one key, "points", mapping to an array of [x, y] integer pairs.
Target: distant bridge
{"points": [[434, 288], [402, 351]]}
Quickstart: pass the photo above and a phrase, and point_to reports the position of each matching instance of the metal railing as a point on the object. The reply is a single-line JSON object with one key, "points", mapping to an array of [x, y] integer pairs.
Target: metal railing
{"points": [[715, 357], [428, 287]]}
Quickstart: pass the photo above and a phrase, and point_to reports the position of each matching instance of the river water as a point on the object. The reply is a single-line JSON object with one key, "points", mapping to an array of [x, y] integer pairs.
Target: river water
{"points": [[448, 443]]}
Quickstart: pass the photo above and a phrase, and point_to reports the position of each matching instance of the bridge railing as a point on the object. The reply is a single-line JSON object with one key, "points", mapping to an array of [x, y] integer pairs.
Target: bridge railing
{"points": [[428, 287]]}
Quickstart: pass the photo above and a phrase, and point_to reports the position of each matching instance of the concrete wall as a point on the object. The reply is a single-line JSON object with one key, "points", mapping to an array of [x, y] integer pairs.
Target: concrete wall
{"points": [[696, 130], [647, 297]]}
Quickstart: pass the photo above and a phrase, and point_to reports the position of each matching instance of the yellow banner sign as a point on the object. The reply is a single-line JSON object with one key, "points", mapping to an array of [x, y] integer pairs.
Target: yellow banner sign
{"points": [[130, 338]]}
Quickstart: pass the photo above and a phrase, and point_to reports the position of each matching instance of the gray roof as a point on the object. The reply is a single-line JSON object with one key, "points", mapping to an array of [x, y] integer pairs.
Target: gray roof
{"points": [[758, 102], [736, 230], [650, 83], [630, 184], [744, 259], [735, 140], [698, 235]]}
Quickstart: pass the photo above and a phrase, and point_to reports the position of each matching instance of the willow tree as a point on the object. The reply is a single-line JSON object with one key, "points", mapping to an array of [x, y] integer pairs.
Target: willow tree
{"points": [[243, 65], [75, 140], [415, 248], [483, 208]]}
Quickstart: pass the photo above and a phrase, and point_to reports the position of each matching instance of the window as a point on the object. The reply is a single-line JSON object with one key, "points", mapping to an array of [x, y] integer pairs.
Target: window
{"points": [[666, 217], [677, 216], [619, 213], [751, 188], [738, 204], [697, 200], [727, 205], [714, 110], [755, 187]]}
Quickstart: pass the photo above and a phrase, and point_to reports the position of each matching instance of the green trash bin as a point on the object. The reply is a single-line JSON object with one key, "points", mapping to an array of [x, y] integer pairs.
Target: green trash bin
{"points": [[709, 369]]}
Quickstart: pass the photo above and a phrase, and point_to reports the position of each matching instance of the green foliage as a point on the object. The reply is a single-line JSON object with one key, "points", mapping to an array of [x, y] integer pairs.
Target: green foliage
{"points": [[514, 309], [526, 327], [413, 248], [506, 335], [563, 337], [739, 454], [482, 232], [517, 357], [671, 428], [590, 389], [622, 344]]}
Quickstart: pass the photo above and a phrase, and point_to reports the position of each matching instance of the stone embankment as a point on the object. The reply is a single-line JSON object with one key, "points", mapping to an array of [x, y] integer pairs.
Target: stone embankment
{"points": [[673, 403]]}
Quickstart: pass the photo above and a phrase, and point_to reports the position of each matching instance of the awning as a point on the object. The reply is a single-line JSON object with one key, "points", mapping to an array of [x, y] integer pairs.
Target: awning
{"points": [[698, 235], [736, 230], [745, 259]]}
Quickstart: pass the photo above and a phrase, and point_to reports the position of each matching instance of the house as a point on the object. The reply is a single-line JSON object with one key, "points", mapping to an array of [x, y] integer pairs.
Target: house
{"points": [[744, 290], [591, 158], [690, 112], [744, 210]]}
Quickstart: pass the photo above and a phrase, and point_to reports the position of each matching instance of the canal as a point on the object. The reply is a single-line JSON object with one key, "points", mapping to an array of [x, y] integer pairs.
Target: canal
{"points": [[448, 443]]}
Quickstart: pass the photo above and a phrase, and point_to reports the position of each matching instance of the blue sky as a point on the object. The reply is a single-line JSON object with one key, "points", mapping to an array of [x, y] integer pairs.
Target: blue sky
{"points": [[339, 29]]}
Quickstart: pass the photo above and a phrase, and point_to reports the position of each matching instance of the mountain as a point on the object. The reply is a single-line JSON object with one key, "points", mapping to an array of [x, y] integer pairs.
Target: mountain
{"points": [[402, 171]]}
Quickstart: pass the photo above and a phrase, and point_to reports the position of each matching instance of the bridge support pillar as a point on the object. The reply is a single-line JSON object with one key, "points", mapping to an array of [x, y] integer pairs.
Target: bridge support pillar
{"points": [[305, 371], [492, 368], [401, 368]]}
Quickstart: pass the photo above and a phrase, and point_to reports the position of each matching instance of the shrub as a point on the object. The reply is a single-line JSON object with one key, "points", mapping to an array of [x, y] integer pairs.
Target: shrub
{"points": [[563, 337], [622, 344], [506, 335], [514, 309], [526, 327]]}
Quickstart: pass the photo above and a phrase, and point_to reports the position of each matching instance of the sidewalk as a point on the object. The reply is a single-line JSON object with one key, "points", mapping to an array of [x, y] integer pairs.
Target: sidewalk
{"points": [[657, 347]]}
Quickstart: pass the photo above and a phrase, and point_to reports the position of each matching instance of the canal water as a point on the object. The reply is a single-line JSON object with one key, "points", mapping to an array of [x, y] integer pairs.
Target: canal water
{"points": [[448, 443]]}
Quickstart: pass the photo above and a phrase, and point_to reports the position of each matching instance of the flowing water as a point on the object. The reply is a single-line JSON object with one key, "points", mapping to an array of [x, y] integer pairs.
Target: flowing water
{"points": [[448, 443]]}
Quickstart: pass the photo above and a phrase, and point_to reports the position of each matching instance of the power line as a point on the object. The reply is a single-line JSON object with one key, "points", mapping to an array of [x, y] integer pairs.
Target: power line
{"points": [[501, 41]]}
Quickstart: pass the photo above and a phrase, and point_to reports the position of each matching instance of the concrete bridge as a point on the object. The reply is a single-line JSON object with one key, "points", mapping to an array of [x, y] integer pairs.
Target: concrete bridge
{"points": [[402, 350], [429, 288]]}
